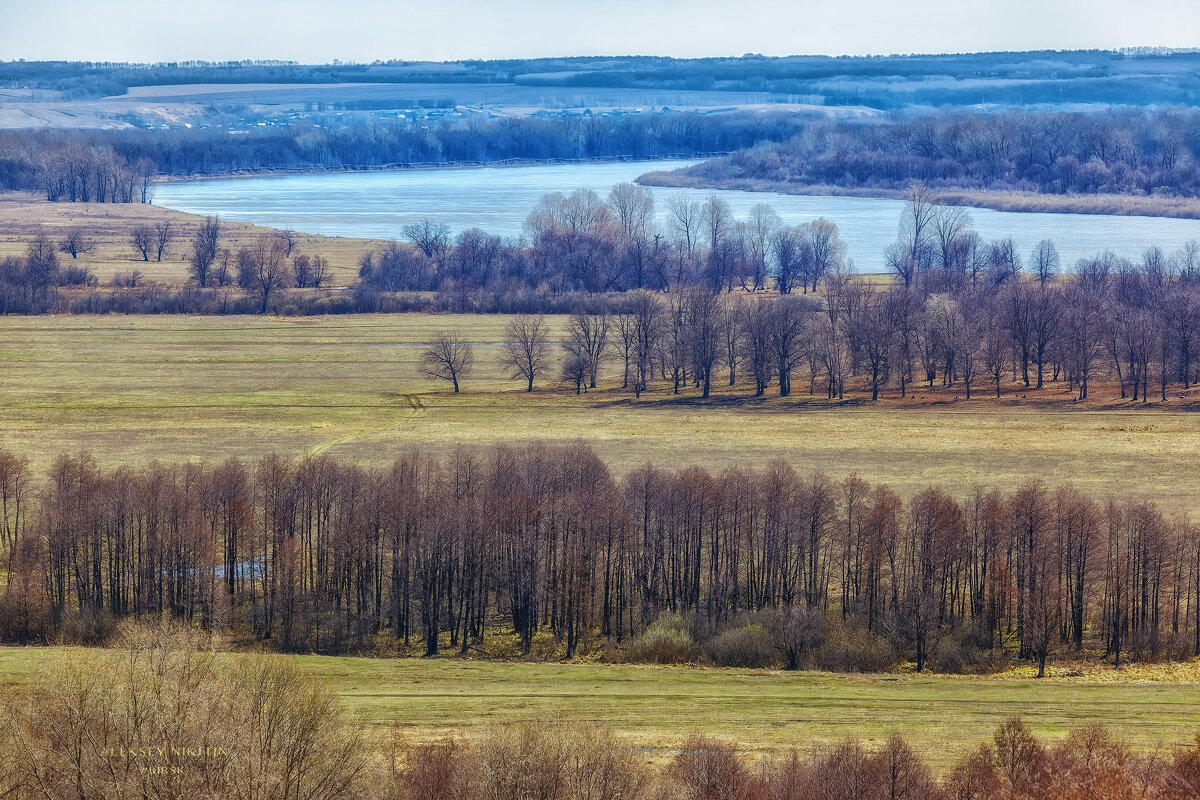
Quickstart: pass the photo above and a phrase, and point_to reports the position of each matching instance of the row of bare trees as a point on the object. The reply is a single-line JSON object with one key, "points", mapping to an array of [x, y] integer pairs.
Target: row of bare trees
{"points": [[322, 554], [90, 173], [580, 242], [1133, 326]]}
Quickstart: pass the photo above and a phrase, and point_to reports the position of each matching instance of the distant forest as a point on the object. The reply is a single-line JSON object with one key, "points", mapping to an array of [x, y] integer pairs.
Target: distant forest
{"points": [[1126, 153], [1151, 157], [1133, 77], [117, 166]]}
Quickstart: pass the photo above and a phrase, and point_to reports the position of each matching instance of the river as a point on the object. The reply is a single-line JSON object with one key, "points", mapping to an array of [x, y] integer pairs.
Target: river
{"points": [[378, 204]]}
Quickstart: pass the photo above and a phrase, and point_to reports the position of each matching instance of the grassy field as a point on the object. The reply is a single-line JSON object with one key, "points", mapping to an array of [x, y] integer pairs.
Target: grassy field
{"points": [[137, 388], [655, 708], [24, 216]]}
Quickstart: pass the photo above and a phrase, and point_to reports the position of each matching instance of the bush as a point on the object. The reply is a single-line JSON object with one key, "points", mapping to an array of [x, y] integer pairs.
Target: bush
{"points": [[166, 717], [668, 640], [747, 646], [850, 649], [709, 769], [524, 761], [966, 655]]}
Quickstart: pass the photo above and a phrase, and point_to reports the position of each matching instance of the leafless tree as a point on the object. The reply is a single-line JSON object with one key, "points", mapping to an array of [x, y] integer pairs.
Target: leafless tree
{"points": [[587, 341], [205, 245], [950, 226], [142, 239], [646, 324], [75, 244], [826, 248], [289, 239], [702, 316], [264, 270], [431, 237], [310, 271], [787, 339], [527, 346], [685, 219], [448, 358], [164, 234], [787, 250], [575, 370], [1045, 261]]}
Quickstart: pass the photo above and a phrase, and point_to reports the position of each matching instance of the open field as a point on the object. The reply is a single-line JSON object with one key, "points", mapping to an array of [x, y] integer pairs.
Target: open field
{"points": [[137, 388], [655, 708], [24, 216]]}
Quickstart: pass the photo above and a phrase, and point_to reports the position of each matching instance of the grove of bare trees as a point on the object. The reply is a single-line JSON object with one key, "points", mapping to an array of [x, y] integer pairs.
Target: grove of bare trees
{"points": [[541, 540]]}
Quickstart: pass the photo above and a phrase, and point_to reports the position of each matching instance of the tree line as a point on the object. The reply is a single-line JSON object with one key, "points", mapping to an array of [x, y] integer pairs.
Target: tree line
{"points": [[120, 165], [542, 540], [713, 299], [1132, 152]]}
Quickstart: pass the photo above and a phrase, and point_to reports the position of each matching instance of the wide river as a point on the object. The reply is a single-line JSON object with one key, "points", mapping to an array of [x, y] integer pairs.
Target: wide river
{"points": [[377, 205]]}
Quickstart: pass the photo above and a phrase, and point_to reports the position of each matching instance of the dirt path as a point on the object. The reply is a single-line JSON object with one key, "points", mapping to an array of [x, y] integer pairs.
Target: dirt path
{"points": [[415, 410]]}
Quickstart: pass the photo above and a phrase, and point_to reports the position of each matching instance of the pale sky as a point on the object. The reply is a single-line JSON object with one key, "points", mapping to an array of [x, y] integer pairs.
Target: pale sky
{"points": [[364, 30]]}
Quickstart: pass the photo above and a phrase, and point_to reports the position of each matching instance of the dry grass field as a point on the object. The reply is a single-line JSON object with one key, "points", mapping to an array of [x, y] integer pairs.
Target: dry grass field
{"points": [[25, 216], [136, 388]]}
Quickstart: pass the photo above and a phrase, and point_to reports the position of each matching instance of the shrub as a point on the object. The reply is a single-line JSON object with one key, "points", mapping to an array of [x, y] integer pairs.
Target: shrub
{"points": [[851, 649], [796, 631], [964, 654], [668, 640], [747, 646], [709, 769], [165, 717]]}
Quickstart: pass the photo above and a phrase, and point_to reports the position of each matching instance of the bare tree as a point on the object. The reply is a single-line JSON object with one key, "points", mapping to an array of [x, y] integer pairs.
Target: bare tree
{"points": [[645, 319], [75, 243], [430, 237], [575, 370], [448, 358], [702, 316], [289, 239], [142, 239], [587, 341], [1044, 262], [826, 248], [685, 222], [786, 249], [263, 270], [164, 234], [205, 245], [787, 334], [310, 271], [527, 347], [951, 226]]}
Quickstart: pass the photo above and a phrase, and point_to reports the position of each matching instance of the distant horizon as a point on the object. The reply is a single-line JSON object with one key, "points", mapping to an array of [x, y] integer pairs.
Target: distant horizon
{"points": [[1131, 50], [364, 31]]}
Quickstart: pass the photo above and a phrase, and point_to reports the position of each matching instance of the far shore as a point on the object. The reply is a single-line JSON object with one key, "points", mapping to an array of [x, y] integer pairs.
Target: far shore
{"points": [[424, 165], [1105, 204]]}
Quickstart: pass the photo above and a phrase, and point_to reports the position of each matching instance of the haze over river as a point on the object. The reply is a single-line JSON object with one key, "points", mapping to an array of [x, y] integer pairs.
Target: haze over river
{"points": [[378, 205]]}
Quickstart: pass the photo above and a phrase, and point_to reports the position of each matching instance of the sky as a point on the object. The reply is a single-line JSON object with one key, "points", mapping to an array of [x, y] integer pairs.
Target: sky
{"points": [[318, 31]]}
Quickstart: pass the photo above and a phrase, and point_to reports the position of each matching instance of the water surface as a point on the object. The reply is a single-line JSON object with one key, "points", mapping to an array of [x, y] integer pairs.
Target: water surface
{"points": [[378, 205]]}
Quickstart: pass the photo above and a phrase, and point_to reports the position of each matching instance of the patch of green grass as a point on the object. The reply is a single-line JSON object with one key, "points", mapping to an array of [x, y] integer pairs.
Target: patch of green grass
{"points": [[764, 711], [133, 389]]}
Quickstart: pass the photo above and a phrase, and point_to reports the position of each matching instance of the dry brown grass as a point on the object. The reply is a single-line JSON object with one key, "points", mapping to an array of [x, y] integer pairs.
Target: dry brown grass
{"points": [[23, 216]]}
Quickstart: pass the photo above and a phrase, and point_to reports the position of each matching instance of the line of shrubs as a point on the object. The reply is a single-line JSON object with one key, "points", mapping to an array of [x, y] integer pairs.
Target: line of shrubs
{"points": [[798, 638]]}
